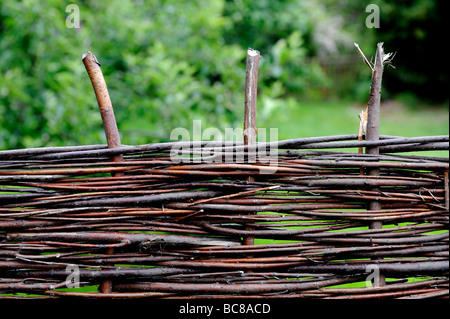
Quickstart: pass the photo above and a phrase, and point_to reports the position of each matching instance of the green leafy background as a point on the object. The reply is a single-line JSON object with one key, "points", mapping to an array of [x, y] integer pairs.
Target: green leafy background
{"points": [[169, 62]]}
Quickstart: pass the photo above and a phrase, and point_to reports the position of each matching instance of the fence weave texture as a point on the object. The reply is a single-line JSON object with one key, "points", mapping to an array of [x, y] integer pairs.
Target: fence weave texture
{"points": [[163, 229]]}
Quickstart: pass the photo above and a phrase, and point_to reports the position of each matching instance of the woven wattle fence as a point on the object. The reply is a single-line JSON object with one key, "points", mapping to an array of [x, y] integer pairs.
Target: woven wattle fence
{"points": [[184, 223], [294, 219]]}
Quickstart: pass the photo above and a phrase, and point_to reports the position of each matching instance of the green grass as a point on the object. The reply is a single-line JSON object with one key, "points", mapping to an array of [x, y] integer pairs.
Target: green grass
{"points": [[298, 119]]}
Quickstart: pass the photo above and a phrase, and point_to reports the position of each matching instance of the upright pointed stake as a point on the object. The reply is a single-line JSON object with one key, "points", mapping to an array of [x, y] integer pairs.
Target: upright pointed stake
{"points": [[373, 128], [373, 107], [447, 191], [109, 124], [104, 102], [251, 92], [373, 116]]}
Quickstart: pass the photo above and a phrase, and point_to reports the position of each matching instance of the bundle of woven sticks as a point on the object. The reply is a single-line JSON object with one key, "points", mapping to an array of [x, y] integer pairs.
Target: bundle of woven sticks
{"points": [[173, 224]]}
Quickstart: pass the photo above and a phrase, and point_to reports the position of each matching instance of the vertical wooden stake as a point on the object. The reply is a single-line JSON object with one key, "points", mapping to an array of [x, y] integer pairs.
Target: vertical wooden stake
{"points": [[109, 123], [104, 102], [447, 192], [373, 128], [251, 92]]}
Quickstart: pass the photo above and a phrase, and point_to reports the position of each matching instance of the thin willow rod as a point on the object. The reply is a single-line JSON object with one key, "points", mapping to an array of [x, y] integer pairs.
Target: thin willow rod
{"points": [[283, 157], [216, 184], [266, 208], [441, 293], [43, 150], [26, 190], [420, 158], [19, 178], [17, 198], [24, 224], [125, 150], [361, 163], [409, 195], [107, 295], [16, 266], [263, 201], [249, 280], [32, 212], [407, 237], [372, 216], [126, 162], [137, 178], [393, 144], [112, 259], [422, 268], [406, 294], [144, 199], [354, 252], [71, 171], [235, 194], [81, 187], [379, 198], [59, 256], [386, 241], [27, 246], [32, 287], [241, 274], [278, 222], [285, 225], [114, 272], [361, 182], [261, 217], [385, 232], [73, 197], [166, 222], [265, 250], [84, 245], [74, 226], [412, 251], [250, 171], [272, 233], [384, 173], [234, 289], [130, 213], [174, 230], [334, 142], [131, 238], [444, 146], [390, 287], [339, 156], [95, 256], [243, 248], [264, 259], [220, 264], [395, 260], [387, 211]]}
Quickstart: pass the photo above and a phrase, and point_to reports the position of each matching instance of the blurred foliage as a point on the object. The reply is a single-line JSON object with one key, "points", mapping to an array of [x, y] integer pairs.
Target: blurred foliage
{"points": [[414, 29], [163, 61], [168, 62]]}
